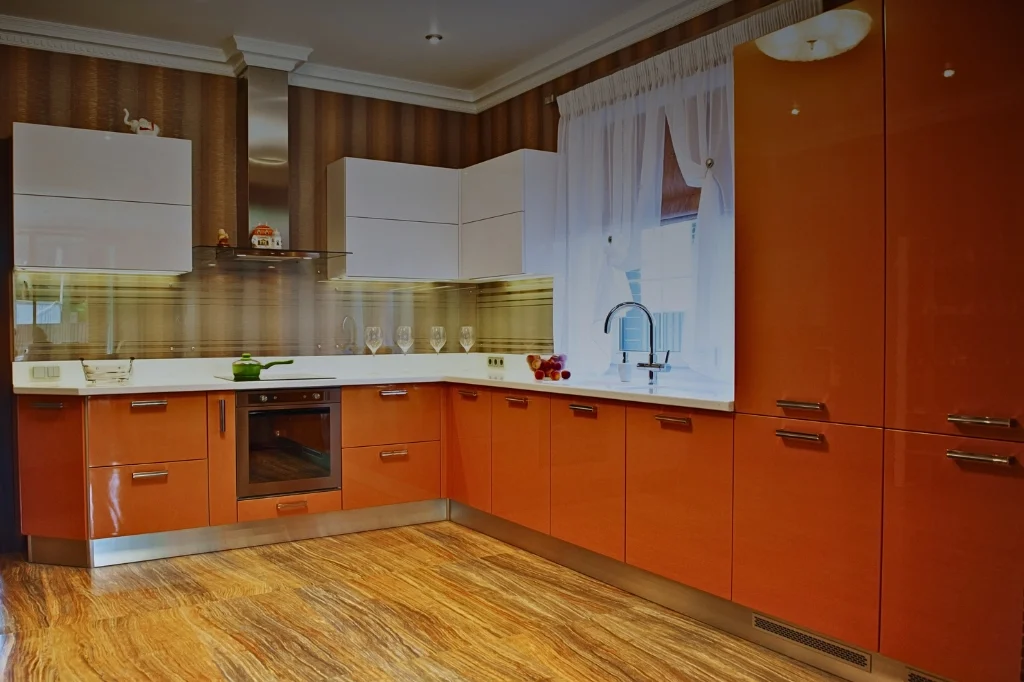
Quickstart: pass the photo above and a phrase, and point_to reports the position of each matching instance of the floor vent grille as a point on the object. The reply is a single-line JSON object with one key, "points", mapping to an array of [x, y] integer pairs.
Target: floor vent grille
{"points": [[854, 657], [918, 676]]}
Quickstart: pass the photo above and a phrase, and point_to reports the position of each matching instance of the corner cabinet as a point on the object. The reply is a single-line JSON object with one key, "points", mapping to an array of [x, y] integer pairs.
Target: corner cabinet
{"points": [[810, 232], [89, 200], [507, 216], [399, 220]]}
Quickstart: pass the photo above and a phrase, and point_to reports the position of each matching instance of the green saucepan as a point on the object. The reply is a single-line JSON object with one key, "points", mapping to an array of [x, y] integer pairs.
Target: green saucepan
{"points": [[248, 369]]}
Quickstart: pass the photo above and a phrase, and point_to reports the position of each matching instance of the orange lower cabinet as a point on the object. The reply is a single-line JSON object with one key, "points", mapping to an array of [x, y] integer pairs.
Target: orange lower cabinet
{"points": [[953, 555], [588, 474], [390, 474], [136, 429], [51, 466], [393, 413], [282, 506], [469, 446], [521, 459], [220, 430], [148, 498], [679, 495], [808, 524]]}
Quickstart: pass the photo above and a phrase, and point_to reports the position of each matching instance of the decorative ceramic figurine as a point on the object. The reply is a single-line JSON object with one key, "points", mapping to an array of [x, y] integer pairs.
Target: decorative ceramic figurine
{"points": [[265, 237], [222, 238], [141, 126]]}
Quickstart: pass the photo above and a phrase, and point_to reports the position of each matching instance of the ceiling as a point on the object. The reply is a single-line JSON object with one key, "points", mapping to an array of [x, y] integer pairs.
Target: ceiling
{"points": [[486, 42]]}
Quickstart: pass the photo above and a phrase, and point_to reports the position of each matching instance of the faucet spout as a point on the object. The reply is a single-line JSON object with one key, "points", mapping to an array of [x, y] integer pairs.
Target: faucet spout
{"points": [[651, 366]]}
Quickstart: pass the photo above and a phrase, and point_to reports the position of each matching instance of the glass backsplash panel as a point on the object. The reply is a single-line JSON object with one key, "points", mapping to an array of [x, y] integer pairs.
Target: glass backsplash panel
{"points": [[272, 311]]}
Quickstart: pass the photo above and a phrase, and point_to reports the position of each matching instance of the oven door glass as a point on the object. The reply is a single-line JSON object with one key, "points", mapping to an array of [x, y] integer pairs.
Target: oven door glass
{"points": [[291, 445]]}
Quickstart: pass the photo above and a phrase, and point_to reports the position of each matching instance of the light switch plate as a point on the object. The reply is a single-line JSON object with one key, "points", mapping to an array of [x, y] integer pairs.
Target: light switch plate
{"points": [[496, 362], [45, 372]]}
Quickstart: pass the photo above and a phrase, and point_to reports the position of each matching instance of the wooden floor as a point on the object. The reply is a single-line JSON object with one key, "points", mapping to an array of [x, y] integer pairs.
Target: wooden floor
{"points": [[433, 602]]}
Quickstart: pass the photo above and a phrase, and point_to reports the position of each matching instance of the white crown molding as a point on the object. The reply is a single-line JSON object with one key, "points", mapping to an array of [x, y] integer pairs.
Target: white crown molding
{"points": [[643, 22], [646, 20], [91, 42]]}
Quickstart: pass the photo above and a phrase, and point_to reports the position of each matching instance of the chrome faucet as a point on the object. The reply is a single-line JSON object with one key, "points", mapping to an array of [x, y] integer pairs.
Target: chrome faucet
{"points": [[652, 367]]}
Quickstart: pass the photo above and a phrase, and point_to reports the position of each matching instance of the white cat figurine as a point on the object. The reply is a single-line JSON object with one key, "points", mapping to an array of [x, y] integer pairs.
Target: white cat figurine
{"points": [[141, 126]]}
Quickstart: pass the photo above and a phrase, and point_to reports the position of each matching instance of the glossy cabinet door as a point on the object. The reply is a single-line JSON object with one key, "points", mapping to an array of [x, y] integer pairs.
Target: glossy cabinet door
{"points": [[285, 506], [679, 495], [220, 429], [138, 429], [588, 474], [51, 466], [954, 309], [392, 474], [148, 498], [380, 415], [521, 459], [469, 446], [808, 524], [952, 558], [810, 231]]}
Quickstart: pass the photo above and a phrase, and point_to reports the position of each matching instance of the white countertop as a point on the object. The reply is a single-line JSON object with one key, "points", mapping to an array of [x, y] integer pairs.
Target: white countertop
{"points": [[680, 388]]}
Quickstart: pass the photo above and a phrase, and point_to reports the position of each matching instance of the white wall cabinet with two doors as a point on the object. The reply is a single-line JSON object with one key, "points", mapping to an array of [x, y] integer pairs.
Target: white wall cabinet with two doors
{"points": [[494, 219], [89, 200]]}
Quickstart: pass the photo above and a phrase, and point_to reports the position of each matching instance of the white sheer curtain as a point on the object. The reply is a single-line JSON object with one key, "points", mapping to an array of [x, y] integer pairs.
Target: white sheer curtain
{"points": [[611, 145]]}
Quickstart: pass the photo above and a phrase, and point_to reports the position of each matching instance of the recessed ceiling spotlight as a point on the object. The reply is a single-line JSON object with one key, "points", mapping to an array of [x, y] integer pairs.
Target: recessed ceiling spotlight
{"points": [[434, 38]]}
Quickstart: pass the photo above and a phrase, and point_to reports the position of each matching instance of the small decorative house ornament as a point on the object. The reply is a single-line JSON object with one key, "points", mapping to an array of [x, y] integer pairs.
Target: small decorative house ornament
{"points": [[265, 237], [141, 126], [222, 238]]}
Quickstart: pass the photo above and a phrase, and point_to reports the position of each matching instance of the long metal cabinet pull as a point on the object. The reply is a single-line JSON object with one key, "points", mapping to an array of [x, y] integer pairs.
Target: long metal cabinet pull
{"points": [[668, 419], [287, 506], [800, 435], [393, 453], [799, 405], [583, 408], [468, 394], [150, 474], [149, 403], [394, 391], [971, 420], [48, 406], [223, 406], [984, 459], [516, 400]]}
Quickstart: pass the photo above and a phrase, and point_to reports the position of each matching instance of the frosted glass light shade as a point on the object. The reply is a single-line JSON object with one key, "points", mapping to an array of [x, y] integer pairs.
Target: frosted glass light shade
{"points": [[820, 37]]}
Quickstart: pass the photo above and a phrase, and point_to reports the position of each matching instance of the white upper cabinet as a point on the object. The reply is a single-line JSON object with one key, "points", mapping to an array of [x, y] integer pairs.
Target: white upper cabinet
{"points": [[400, 191], [508, 216], [398, 220], [88, 200]]}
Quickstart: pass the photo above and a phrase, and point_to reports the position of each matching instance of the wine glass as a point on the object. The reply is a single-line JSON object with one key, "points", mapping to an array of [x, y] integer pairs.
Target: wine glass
{"points": [[466, 338], [437, 338], [403, 337], [374, 338]]}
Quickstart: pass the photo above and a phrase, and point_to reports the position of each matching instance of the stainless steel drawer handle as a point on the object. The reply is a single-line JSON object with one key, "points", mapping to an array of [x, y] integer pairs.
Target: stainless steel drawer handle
{"points": [[223, 407], [984, 459], [668, 419], [292, 506], [800, 435], [136, 475], [468, 394], [800, 405], [149, 403], [393, 392], [515, 400], [590, 409], [393, 453], [48, 406], [971, 420]]}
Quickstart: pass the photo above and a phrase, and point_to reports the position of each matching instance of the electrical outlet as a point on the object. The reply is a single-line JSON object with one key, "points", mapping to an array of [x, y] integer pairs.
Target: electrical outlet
{"points": [[496, 361]]}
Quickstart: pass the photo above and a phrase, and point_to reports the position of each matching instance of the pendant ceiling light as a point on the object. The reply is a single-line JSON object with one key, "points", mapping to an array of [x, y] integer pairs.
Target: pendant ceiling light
{"points": [[820, 37]]}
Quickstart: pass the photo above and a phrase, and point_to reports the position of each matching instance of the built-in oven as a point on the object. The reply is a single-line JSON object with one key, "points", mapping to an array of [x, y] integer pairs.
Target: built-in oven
{"points": [[289, 441]]}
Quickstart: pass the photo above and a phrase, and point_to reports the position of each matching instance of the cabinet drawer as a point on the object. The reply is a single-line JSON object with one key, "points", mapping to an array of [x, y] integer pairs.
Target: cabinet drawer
{"points": [[679, 495], [808, 524], [281, 506], [588, 474], [405, 472], [146, 428], [952, 584], [383, 415], [148, 498]]}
